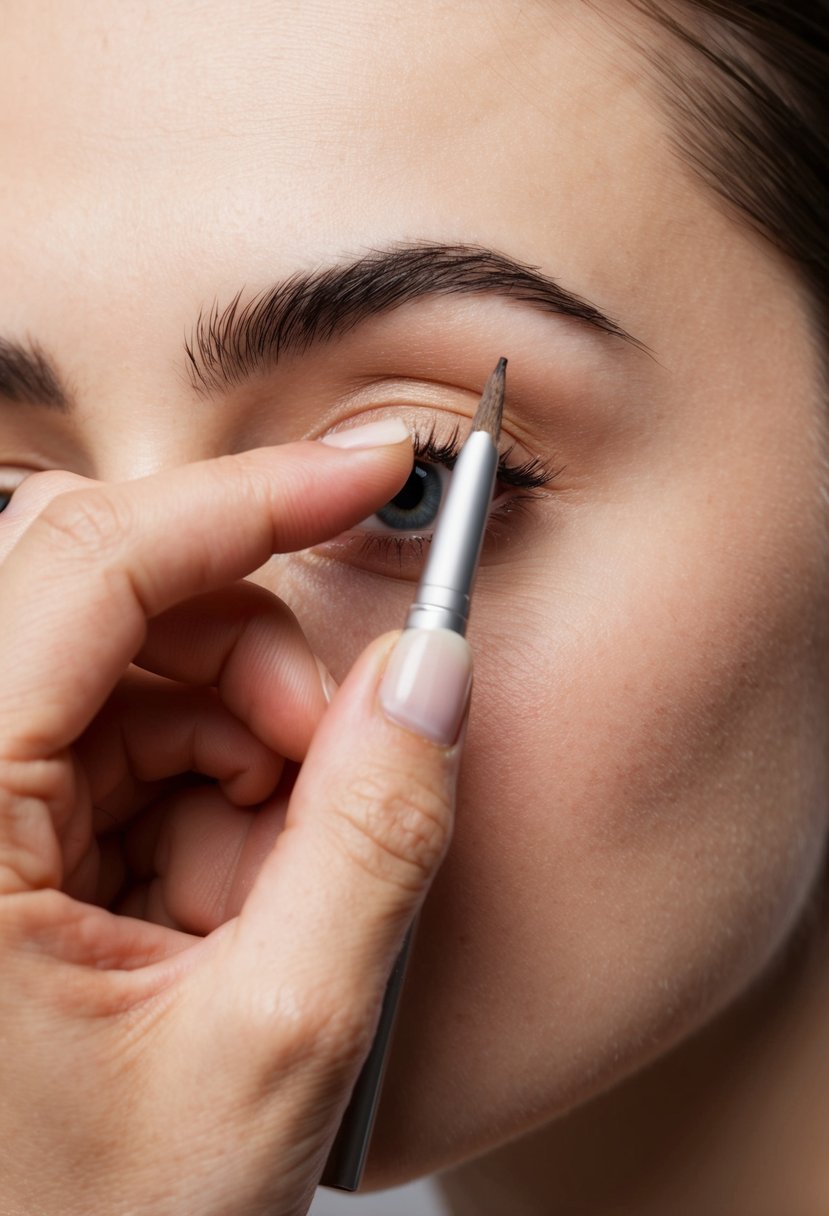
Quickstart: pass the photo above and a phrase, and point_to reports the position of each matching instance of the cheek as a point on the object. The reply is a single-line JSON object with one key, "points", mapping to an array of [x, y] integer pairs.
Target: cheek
{"points": [[340, 608], [640, 823], [640, 816]]}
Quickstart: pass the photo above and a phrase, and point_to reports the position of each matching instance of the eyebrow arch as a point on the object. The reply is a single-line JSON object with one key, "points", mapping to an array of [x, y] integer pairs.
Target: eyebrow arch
{"points": [[229, 346], [28, 376]]}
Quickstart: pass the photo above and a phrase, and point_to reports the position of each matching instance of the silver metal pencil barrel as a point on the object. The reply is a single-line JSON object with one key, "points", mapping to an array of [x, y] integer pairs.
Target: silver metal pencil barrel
{"points": [[442, 599], [441, 602]]}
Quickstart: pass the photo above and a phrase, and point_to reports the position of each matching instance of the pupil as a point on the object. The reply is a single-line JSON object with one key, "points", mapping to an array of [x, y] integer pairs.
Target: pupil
{"points": [[417, 504], [412, 493]]}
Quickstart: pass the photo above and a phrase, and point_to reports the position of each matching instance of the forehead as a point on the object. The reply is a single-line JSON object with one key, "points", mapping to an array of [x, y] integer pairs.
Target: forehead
{"points": [[296, 130]]}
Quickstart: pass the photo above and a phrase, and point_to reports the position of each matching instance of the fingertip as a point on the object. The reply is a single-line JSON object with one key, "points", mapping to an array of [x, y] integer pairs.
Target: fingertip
{"points": [[382, 433]]}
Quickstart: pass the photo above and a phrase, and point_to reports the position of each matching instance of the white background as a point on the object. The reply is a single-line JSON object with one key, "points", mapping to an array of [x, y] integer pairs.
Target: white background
{"points": [[418, 1199]]}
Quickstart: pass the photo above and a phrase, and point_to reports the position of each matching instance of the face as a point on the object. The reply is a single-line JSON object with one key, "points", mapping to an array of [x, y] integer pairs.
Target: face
{"points": [[642, 800]]}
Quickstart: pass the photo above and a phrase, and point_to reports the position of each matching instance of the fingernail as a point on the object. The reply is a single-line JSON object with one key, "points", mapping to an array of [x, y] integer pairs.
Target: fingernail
{"points": [[329, 684], [426, 683], [370, 435]]}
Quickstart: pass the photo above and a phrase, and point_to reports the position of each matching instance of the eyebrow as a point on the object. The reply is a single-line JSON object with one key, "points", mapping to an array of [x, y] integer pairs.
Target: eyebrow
{"points": [[28, 376], [230, 345]]}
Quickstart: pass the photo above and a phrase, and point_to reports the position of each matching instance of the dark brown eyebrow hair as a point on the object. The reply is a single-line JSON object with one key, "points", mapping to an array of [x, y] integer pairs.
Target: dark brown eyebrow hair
{"points": [[28, 376], [229, 345]]}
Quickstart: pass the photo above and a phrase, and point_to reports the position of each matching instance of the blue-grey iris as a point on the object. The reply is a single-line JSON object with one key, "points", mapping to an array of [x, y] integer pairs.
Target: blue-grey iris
{"points": [[5, 499], [416, 507]]}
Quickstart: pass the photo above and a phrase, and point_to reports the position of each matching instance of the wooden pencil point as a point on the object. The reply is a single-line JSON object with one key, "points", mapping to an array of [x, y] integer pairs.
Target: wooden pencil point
{"points": [[488, 416]]}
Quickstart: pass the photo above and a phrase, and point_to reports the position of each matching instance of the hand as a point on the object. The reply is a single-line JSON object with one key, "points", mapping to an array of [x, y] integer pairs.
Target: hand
{"points": [[145, 1069]]}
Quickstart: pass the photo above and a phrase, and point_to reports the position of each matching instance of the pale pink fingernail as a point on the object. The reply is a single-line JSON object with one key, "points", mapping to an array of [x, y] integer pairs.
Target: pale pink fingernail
{"points": [[329, 684], [370, 435], [426, 683]]}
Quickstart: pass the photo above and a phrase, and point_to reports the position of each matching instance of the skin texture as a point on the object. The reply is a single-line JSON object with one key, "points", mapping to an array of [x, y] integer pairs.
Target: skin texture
{"points": [[642, 810]]}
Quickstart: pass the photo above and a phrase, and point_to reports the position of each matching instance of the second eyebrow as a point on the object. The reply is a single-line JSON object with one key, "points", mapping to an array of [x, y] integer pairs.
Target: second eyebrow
{"points": [[229, 345]]}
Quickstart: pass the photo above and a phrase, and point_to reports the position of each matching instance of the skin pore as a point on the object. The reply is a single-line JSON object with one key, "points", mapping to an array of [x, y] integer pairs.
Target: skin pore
{"points": [[642, 814]]}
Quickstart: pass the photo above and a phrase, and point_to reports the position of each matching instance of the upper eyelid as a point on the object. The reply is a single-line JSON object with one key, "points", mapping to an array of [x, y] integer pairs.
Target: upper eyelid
{"points": [[529, 470], [429, 432]]}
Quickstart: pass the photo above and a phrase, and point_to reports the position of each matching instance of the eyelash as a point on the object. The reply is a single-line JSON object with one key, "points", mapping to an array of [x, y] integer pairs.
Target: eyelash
{"points": [[530, 476]]}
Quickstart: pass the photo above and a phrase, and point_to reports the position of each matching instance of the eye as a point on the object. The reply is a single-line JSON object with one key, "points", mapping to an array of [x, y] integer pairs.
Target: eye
{"points": [[393, 540], [416, 507], [5, 499]]}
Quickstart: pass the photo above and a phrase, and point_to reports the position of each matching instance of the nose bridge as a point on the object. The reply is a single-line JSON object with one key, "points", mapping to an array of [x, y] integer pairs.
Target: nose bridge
{"points": [[134, 427]]}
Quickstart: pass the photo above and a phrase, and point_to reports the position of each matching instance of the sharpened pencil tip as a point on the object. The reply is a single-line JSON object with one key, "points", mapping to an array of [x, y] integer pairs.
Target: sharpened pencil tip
{"points": [[488, 416]]}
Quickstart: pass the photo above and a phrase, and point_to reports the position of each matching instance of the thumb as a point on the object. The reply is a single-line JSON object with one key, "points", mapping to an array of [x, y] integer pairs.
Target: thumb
{"points": [[369, 822]]}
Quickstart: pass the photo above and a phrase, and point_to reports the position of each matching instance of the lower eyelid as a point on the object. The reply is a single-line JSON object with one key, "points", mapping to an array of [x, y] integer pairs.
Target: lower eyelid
{"points": [[502, 507], [406, 552]]}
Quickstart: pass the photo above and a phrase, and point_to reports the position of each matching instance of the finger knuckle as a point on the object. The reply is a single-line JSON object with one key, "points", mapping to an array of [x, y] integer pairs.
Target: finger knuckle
{"points": [[30, 854], [87, 521], [397, 828]]}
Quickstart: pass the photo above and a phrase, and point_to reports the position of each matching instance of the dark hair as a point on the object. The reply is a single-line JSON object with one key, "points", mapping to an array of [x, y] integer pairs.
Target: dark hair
{"points": [[748, 88]]}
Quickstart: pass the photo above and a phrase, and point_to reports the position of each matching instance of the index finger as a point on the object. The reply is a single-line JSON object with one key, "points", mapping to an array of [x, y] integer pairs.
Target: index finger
{"points": [[84, 579]]}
